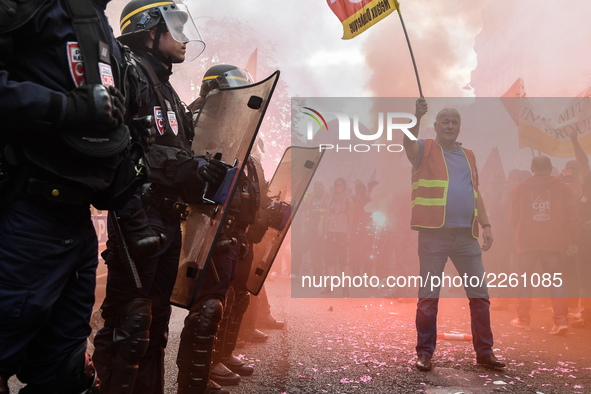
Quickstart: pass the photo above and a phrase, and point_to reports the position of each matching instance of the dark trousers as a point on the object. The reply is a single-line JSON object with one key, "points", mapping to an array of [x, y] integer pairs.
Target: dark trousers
{"points": [[158, 274], [48, 259]]}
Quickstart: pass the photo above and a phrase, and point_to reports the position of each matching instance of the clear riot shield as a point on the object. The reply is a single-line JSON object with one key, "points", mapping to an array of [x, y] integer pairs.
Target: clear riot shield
{"points": [[228, 123], [287, 188]]}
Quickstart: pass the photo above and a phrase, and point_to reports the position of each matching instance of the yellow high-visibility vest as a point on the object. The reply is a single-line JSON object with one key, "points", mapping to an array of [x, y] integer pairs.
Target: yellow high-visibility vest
{"points": [[430, 183]]}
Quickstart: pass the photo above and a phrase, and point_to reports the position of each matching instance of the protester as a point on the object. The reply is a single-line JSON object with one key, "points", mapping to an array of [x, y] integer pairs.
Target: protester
{"points": [[336, 232], [447, 209], [544, 217], [360, 232], [584, 252]]}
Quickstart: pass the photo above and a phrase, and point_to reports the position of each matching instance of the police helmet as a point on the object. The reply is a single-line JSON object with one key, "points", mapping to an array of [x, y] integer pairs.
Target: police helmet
{"points": [[140, 16], [224, 76]]}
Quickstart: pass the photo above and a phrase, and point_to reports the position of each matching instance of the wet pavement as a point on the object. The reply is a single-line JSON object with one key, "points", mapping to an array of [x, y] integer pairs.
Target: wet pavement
{"points": [[336, 345]]}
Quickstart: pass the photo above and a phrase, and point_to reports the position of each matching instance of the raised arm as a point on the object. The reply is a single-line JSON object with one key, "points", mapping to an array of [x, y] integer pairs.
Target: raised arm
{"points": [[411, 147], [580, 155]]}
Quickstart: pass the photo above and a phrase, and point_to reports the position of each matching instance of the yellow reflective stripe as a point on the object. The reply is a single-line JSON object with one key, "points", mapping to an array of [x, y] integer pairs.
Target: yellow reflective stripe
{"points": [[431, 202], [429, 183], [125, 25], [236, 77], [146, 7]]}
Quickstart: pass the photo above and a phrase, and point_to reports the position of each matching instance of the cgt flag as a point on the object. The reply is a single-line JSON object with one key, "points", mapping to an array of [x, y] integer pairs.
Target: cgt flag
{"points": [[359, 15]]}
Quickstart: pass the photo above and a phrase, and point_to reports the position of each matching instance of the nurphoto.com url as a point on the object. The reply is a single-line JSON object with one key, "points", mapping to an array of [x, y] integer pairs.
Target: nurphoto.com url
{"points": [[490, 279]]}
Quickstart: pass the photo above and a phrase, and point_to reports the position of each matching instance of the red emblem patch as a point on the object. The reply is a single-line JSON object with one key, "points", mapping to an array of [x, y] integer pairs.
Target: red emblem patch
{"points": [[76, 64], [106, 74], [159, 118], [173, 122]]}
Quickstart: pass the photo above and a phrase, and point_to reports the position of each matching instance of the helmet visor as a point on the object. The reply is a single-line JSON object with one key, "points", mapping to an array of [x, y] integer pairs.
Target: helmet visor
{"points": [[230, 79], [182, 28]]}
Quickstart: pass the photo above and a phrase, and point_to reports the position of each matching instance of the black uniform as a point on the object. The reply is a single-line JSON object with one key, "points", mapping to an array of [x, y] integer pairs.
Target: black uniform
{"points": [[48, 248], [201, 326], [173, 178]]}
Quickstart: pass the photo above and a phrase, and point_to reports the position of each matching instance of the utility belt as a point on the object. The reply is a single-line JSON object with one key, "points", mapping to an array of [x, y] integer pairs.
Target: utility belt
{"points": [[46, 191]]}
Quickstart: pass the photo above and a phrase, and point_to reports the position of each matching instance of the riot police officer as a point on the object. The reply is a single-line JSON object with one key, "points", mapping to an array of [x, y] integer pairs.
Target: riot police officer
{"points": [[221, 303], [64, 145], [136, 322], [201, 325]]}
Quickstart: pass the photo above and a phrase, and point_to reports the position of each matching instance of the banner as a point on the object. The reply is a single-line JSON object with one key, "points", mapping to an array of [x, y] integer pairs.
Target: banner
{"points": [[359, 15], [549, 131]]}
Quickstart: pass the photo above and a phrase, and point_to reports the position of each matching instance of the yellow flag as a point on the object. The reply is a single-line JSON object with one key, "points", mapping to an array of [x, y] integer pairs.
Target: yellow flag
{"points": [[358, 16]]}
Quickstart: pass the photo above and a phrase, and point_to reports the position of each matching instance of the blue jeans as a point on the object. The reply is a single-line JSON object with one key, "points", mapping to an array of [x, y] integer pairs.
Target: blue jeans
{"points": [[48, 260], [550, 263], [435, 247]]}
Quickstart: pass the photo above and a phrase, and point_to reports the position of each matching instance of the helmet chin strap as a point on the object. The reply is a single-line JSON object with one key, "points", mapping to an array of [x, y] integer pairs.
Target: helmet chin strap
{"points": [[155, 50]]}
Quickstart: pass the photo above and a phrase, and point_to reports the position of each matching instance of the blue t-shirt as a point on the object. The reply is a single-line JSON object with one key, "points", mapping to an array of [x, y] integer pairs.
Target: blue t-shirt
{"points": [[460, 193]]}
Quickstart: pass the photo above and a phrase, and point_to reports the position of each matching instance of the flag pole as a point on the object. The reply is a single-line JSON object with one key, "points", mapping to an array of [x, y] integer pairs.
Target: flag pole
{"points": [[412, 56]]}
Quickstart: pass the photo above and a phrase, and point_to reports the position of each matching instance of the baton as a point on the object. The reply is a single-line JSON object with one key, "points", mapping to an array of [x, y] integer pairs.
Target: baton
{"points": [[124, 252]]}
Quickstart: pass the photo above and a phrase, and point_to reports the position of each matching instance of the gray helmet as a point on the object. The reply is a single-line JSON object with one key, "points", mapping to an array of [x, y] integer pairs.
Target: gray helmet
{"points": [[140, 16], [223, 76]]}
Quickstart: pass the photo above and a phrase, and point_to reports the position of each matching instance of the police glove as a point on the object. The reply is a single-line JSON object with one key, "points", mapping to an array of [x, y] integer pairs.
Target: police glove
{"points": [[141, 238], [143, 131], [212, 172], [96, 105]]}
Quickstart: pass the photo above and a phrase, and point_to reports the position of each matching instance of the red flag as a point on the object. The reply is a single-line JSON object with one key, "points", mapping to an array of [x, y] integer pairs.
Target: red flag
{"points": [[359, 15]]}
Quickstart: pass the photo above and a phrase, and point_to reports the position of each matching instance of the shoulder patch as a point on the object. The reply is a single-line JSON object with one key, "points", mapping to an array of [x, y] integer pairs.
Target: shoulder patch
{"points": [[174, 125], [159, 119], [75, 62]]}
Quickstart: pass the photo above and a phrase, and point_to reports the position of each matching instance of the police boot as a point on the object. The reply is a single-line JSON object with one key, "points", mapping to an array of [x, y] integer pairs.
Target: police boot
{"points": [[130, 341], [234, 320], [218, 372], [3, 385], [248, 331], [196, 347]]}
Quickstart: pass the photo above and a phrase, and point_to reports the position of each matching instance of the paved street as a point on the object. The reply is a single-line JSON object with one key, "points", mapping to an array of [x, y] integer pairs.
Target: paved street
{"points": [[367, 346]]}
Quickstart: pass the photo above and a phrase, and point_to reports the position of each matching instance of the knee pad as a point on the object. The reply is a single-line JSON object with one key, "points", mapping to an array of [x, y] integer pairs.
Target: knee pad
{"points": [[205, 317], [132, 333]]}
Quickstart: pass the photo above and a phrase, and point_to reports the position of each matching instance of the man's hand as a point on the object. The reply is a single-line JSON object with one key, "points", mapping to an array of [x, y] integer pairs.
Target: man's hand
{"points": [[411, 147], [212, 172], [487, 238], [574, 135], [94, 106], [421, 107]]}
